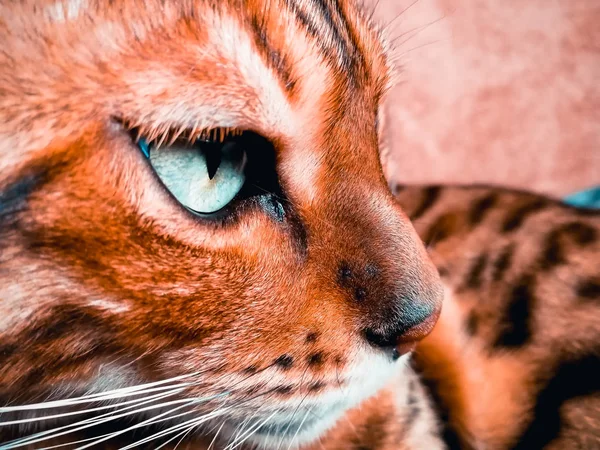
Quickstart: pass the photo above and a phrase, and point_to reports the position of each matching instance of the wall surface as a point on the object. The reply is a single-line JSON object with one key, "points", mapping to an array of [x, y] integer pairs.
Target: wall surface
{"points": [[504, 92]]}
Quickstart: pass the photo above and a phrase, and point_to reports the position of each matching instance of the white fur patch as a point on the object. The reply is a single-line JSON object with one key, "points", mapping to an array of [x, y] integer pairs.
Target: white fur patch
{"points": [[303, 169], [233, 42], [108, 305], [63, 11]]}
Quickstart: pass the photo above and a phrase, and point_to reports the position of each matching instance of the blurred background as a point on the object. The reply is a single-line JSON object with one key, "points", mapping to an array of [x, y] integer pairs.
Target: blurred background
{"points": [[503, 92]]}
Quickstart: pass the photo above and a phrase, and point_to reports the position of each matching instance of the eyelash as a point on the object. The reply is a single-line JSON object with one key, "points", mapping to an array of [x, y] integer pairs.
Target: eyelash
{"points": [[161, 135]]}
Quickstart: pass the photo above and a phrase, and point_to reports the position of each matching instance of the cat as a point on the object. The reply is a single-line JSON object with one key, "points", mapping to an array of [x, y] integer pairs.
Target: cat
{"points": [[198, 247]]}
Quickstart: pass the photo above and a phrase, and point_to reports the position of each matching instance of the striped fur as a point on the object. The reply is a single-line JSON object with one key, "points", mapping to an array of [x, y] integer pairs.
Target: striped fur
{"points": [[283, 322], [514, 361]]}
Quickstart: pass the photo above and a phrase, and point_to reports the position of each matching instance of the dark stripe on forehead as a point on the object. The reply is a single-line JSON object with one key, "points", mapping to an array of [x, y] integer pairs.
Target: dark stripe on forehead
{"points": [[332, 34], [341, 30], [354, 44], [310, 27], [274, 57]]}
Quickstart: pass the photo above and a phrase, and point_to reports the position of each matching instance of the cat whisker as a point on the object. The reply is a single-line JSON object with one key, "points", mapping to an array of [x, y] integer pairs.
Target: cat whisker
{"points": [[400, 14], [110, 435], [252, 430], [107, 395], [164, 416], [240, 429], [214, 439], [184, 436], [66, 429], [88, 423], [413, 32], [192, 423], [295, 410], [417, 47], [168, 441], [299, 428], [195, 422], [90, 410], [166, 432]]}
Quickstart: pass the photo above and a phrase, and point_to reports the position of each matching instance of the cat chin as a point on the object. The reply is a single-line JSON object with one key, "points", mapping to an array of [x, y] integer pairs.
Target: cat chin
{"points": [[307, 428], [293, 426]]}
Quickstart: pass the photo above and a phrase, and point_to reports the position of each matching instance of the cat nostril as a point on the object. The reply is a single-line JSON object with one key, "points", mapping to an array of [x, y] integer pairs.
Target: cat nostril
{"points": [[401, 339], [381, 340]]}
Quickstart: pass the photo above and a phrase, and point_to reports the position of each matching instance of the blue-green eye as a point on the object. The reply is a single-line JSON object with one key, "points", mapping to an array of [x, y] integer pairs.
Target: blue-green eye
{"points": [[204, 176]]}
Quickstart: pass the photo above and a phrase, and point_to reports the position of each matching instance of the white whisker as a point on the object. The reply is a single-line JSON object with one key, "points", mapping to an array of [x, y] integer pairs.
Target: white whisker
{"points": [[240, 428], [294, 413], [192, 422], [182, 434], [146, 422], [400, 14], [249, 433], [116, 393], [50, 434], [214, 439], [107, 434], [187, 426], [89, 410], [95, 421], [183, 437], [299, 428]]}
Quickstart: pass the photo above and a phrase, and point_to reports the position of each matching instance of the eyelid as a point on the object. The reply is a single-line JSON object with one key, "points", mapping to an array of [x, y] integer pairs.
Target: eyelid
{"points": [[169, 133]]}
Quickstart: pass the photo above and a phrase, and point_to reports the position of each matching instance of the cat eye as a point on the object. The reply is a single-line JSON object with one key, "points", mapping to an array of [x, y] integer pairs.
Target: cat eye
{"points": [[218, 176], [205, 175]]}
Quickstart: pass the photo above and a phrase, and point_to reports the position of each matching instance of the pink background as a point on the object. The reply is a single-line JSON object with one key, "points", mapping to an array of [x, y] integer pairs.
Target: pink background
{"points": [[494, 91]]}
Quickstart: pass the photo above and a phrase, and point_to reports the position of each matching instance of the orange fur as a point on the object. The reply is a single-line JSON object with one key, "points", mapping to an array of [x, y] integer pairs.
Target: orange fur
{"points": [[281, 319]]}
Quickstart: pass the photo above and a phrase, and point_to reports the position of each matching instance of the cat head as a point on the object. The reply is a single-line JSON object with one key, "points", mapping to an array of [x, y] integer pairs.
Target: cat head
{"points": [[191, 195]]}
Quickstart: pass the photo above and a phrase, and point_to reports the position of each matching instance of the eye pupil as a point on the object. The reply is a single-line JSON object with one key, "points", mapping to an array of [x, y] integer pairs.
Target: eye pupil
{"points": [[213, 155]]}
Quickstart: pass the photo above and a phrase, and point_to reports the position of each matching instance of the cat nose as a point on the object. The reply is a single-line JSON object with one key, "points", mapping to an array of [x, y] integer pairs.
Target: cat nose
{"points": [[396, 308], [400, 333], [403, 311]]}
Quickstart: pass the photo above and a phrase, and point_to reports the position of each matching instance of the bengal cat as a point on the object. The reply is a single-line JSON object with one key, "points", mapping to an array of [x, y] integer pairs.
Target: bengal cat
{"points": [[198, 248]]}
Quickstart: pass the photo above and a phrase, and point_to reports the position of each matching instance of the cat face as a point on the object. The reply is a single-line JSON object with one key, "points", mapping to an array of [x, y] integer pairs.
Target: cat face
{"points": [[191, 194]]}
